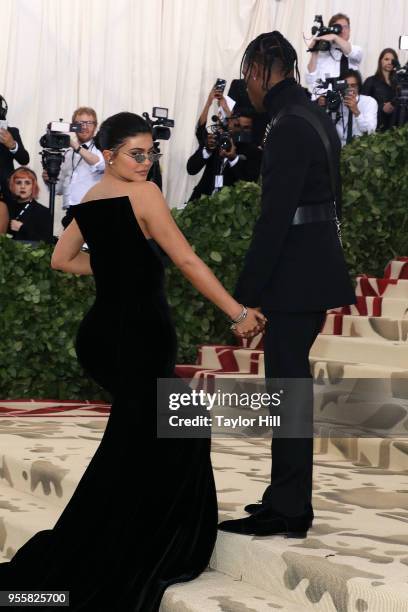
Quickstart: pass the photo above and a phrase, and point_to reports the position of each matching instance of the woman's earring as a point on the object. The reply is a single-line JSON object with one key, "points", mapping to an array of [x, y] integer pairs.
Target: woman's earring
{"points": [[110, 162]]}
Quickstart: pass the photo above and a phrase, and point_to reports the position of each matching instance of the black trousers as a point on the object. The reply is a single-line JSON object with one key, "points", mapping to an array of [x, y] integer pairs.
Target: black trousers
{"points": [[287, 343]]}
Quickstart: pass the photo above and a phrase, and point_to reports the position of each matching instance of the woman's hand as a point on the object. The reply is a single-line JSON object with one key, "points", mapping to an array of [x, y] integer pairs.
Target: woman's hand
{"points": [[15, 225], [253, 324], [388, 108]]}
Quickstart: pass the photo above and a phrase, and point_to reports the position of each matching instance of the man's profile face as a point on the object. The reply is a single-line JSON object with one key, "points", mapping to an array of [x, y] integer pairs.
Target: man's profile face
{"points": [[253, 80], [245, 124], [88, 126]]}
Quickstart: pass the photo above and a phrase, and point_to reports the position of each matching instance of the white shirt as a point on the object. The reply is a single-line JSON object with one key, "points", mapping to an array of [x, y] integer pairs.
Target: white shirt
{"points": [[365, 123], [77, 176], [328, 64]]}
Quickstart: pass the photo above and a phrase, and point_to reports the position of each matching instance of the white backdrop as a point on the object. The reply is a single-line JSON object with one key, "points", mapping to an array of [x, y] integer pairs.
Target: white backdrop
{"points": [[132, 54]]}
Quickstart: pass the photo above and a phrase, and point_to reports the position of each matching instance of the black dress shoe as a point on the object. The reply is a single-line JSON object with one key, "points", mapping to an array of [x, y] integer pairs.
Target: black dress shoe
{"points": [[265, 523], [252, 508]]}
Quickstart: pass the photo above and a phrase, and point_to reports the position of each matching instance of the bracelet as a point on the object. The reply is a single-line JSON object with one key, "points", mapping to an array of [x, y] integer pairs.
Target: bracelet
{"points": [[243, 315]]}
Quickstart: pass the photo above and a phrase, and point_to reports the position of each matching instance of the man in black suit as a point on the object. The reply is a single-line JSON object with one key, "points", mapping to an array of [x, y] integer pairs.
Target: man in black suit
{"points": [[11, 148], [294, 269], [241, 162]]}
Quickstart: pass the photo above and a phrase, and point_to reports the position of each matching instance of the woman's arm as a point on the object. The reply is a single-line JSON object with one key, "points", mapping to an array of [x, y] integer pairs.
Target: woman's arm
{"points": [[4, 217], [154, 216], [67, 255]]}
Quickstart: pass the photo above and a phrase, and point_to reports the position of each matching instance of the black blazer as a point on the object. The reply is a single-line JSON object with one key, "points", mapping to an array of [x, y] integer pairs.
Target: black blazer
{"points": [[247, 168], [7, 160], [295, 268]]}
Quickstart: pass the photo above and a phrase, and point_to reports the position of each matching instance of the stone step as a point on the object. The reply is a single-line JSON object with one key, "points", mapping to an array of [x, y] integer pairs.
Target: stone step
{"points": [[357, 326], [355, 555], [47, 469], [216, 592], [360, 350], [376, 306], [21, 516], [385, 287]]}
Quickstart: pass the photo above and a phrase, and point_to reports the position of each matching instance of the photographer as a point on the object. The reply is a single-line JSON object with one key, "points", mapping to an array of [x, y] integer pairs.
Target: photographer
{"points": [[83, 165], [228, 156], [340, 56], [358, 113], [27, 218], [11, 149], [382, 87], [215, 94]]}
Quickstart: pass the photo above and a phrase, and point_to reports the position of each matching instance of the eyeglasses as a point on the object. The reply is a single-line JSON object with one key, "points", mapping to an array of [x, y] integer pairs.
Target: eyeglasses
{"points": [[87, 123], [140, 158]]}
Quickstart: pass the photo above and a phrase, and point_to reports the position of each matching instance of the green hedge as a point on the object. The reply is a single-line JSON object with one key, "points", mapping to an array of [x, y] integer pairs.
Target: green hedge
{"points": [[41, 308]]}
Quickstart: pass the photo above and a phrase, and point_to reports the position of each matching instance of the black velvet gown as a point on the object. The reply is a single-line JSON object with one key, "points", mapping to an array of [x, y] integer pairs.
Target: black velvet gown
{"points": [[144, 514]]}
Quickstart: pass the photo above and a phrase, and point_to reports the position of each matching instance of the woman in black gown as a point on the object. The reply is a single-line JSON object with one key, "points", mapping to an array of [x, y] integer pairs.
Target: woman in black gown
{"points": [[144, 514]]}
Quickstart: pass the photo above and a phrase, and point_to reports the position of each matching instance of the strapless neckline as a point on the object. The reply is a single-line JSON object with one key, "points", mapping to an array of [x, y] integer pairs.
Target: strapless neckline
{"points": [[124, 197]]}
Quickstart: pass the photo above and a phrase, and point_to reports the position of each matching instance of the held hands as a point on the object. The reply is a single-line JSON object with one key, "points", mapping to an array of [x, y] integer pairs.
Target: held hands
{"points": [[7, 139], [252, 325]]}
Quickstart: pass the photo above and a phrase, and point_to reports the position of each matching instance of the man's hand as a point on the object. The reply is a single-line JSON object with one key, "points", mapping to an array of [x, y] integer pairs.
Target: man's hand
{"points": [[350, 101], [231, 154], [74, 142], [333, 38], [388, 108], [321, 101], [15, 225], [7, 139]]}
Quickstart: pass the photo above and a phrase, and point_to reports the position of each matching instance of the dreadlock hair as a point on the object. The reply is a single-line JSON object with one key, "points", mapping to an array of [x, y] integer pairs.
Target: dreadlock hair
{"points": [[270, 50]]}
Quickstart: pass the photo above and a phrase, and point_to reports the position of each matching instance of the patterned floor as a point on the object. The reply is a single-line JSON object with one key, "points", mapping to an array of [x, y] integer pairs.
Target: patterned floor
{"points": [[355, 557]]}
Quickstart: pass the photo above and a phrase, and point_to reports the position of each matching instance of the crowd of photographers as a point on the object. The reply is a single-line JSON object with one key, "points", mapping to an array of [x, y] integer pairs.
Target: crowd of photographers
{"points": [[335, 82], [229, 146]]}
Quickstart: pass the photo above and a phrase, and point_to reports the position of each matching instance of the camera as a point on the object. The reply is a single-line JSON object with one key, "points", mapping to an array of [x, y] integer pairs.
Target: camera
{"points": [[160, 127], [335, 89], [57, 135], [319, 29]]}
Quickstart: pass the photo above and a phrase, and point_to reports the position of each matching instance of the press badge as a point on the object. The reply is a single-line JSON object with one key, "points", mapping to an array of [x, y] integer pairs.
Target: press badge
{"points": [[219, 181]]}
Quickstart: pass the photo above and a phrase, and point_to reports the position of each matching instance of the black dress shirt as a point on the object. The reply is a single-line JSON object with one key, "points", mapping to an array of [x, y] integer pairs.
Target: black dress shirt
{"points": [[381, 92]]}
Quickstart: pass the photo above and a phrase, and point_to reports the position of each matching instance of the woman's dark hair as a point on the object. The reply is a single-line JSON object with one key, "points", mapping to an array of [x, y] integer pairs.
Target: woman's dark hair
{"points": [[356, 74], [379, 73], [270, 50], [117, 128]]}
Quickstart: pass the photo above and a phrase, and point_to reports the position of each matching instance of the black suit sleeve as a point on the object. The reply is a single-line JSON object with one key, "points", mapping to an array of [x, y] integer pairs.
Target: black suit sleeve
{"points": [[22, 156], [287, 159], [197, 162], [247, 168]]}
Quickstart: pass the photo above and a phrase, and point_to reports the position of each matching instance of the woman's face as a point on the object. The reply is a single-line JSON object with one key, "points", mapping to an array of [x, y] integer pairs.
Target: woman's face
{"points": [[22, 188], [386, 62], [122, 163]]}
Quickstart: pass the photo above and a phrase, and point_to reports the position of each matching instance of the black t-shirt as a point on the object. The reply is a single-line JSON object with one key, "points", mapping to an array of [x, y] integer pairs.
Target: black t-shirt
{"points": [[36, 220]]}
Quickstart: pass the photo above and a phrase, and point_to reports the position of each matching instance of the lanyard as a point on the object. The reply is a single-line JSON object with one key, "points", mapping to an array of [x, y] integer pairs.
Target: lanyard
{"points": [[75, 166], [21, 213]]}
